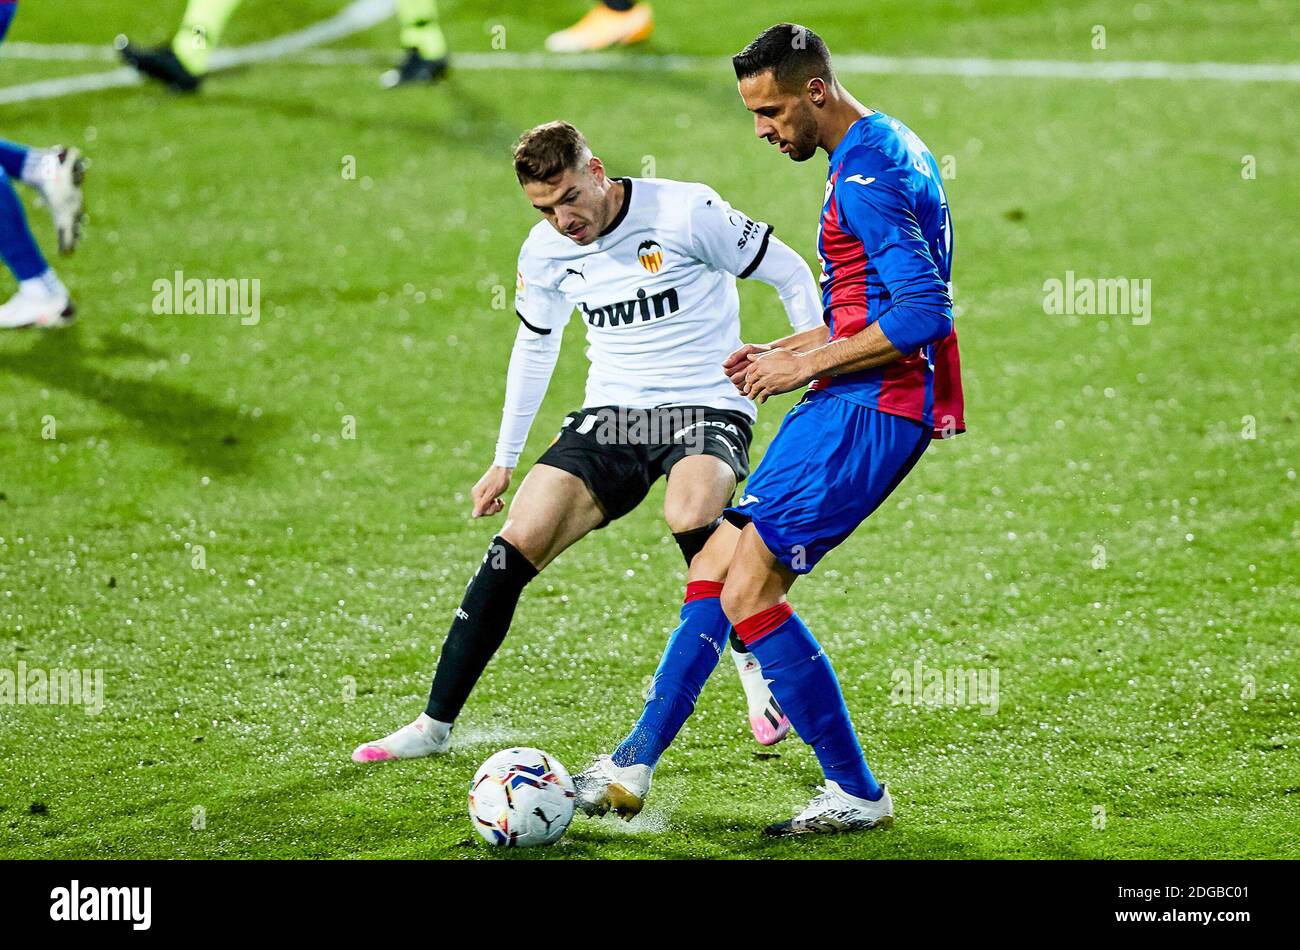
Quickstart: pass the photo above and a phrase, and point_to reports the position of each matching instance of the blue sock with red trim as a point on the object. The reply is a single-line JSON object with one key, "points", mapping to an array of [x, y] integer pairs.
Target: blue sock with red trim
{"points": [[804, 683], [690, 656]]}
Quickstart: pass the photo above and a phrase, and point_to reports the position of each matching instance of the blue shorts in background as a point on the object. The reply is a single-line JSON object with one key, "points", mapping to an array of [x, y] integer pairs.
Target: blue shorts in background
{"points": [[831, 465]]}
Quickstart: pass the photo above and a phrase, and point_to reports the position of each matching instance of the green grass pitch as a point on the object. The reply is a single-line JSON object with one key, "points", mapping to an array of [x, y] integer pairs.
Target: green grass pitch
{"points": [[1116, 536]]}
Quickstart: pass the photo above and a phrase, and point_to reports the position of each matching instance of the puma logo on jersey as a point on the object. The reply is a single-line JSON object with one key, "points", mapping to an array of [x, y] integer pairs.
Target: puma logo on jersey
{"points": [[858, 179], [643, 308]]}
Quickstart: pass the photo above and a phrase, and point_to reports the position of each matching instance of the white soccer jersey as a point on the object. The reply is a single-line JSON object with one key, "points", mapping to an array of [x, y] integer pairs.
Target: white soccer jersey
{"points": [[657, 292]]}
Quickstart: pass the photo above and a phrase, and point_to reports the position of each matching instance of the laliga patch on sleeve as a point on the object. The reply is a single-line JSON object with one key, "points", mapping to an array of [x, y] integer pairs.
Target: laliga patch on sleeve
{"points": [[746, 225]]}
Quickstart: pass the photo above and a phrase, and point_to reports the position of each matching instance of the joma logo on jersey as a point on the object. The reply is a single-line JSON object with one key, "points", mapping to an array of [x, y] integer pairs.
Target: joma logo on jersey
{"points": [[625, 313], [651, 256]]}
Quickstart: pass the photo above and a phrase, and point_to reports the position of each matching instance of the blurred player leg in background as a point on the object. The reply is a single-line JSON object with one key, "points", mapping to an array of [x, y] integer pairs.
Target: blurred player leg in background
{"points": [[182, 65], [610, 23], [56, 174], [426, 48], [41, 300]]}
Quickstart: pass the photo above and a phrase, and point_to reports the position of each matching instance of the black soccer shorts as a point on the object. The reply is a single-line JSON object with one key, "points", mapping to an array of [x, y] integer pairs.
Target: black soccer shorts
{"points": [[619, 452]]}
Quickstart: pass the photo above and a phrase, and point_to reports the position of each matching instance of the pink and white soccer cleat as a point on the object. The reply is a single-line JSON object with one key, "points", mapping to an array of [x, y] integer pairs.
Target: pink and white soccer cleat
{"points": [[766, 720], [425, 736]]}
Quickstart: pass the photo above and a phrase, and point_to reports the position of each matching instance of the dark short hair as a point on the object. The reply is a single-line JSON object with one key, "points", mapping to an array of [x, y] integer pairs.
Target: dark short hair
{"points": [[548, 150], [792, 52]]}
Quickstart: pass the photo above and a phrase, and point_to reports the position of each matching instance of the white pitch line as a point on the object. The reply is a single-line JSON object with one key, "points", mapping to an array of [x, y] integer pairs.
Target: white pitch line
{"points": [[69, 85], [848, 63], [910, 65], [59, 52], [356, 16], [1065, 69], [362, 14]]}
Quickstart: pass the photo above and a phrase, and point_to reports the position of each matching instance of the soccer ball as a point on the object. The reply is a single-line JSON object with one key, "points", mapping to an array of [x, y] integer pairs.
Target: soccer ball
{"points": [[520, 798]]}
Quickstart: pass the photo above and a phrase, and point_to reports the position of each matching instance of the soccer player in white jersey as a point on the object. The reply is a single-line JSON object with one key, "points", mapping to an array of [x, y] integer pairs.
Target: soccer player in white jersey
{"points": [[651, 267]]}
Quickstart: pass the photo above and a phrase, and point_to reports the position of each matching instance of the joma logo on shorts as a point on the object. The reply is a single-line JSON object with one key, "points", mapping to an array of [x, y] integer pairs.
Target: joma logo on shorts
{"points": [[625, 313], [714, 423]]}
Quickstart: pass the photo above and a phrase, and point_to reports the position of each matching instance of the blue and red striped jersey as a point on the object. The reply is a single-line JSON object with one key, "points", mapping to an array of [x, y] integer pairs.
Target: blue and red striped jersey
{"points": [[885, 246]]}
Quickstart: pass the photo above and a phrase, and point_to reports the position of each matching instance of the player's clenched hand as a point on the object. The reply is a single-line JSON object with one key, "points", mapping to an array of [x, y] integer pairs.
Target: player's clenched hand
{"points": [[737, 364], [487, 493], [774, 372]]}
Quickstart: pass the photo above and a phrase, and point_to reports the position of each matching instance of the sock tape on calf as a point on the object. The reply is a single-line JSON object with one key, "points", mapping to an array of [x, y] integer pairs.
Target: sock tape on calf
{"points": [[692, 542]]}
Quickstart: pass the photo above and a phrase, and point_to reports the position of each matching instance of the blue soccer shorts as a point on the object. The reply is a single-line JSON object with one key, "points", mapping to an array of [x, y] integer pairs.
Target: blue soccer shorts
{"points": [[830, 466]]}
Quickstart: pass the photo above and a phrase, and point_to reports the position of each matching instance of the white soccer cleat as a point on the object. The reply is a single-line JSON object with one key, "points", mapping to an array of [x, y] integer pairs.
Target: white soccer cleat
{"points": [[604, 787], [766, 720], [834, 811], [36, 307], [425, 736], [59, 175]]}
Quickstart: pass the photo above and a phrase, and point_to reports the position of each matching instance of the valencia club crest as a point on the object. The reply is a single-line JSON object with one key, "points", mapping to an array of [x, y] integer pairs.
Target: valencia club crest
{"points": [[651, 255]]}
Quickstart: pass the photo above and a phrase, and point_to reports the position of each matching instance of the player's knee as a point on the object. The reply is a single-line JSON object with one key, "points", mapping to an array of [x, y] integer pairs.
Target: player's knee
{"points": [[688, 514], [709, 565], [739, 598], [533, 540]]}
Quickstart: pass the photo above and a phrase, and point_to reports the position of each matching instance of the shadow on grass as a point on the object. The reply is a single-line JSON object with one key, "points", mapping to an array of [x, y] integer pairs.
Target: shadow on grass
{"points": [[207, 434], [477, 126]]}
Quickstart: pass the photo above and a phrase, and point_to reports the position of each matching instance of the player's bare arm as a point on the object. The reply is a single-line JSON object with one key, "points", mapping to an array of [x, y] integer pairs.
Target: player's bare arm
{"points": [[737, 364], [784, 370]]}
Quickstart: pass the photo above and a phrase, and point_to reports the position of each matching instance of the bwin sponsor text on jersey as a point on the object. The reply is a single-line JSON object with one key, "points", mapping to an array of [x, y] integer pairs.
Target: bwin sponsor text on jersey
{"points": [[642, 308]]}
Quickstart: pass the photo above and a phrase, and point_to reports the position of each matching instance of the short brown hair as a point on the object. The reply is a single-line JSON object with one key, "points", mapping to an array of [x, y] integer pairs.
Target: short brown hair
{"points": [[548, 150]]}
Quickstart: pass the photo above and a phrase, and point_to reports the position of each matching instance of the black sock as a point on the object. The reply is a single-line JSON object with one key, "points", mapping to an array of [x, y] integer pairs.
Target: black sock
{"points": [[737, 644], [692, 542], [479, 627]]}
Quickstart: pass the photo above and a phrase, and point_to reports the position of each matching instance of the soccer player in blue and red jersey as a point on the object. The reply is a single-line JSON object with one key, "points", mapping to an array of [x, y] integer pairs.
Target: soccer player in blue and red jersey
{"points": [[885, 380]]}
